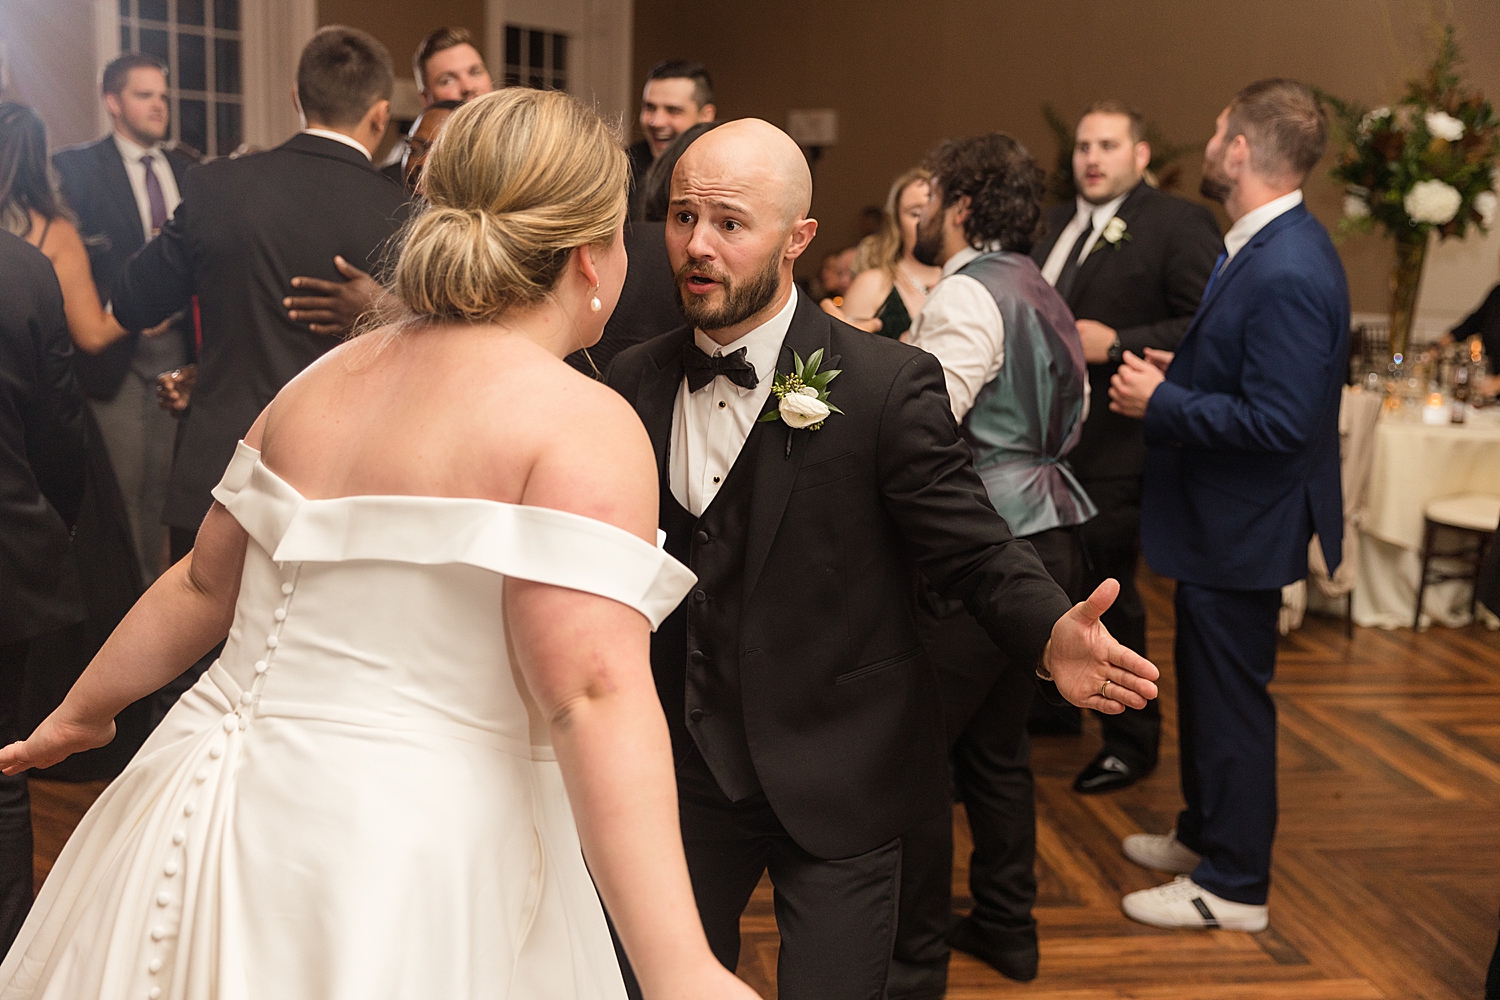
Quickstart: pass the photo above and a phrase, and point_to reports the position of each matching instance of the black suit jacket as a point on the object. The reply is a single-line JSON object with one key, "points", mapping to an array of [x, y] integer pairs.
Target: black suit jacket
{"points": [[244, 229], [95, 186], [41, 449], [1147, 287], [841, 706], [648, 300]]}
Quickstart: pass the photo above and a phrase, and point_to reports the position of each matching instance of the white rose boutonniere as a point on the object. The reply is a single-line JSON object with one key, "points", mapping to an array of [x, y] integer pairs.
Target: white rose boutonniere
{"points": [[1114, 233], [802, 396]]}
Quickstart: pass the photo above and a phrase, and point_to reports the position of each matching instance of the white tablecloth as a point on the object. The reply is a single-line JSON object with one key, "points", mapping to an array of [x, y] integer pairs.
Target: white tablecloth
{"points": [[1415, 463]]}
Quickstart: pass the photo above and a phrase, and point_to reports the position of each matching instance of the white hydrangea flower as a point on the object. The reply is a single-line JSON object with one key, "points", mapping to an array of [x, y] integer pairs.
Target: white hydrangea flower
{"points": [[1367, 123], [1356, 207], [1432, 201], [1485, 203], [1445, 126]]}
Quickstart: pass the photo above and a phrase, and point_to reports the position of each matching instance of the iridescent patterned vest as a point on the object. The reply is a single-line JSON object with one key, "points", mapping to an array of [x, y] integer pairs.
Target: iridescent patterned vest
{"points": [[1025, 421]]}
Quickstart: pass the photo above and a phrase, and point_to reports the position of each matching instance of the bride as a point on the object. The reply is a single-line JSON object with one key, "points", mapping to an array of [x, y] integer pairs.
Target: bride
{"points": [[434, 558]]}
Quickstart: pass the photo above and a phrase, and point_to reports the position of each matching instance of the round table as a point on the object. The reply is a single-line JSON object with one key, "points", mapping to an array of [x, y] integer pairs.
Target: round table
{"points": [[1413, 464]]}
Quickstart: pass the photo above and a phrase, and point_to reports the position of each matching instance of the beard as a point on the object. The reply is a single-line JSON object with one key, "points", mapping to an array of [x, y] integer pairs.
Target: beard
{"points": [[741, 299], [929, 241], [1215, 185]]}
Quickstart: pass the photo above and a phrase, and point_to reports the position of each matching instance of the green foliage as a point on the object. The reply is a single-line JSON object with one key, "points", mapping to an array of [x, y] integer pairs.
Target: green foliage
{"points": [[1385, 152]]}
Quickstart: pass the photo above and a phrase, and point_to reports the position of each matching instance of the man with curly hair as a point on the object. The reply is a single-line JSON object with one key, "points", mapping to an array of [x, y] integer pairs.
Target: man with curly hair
{"points": [[1018, 385]]}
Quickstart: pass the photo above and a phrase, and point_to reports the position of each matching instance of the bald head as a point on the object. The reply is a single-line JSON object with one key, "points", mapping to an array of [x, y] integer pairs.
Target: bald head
{"points": [[754, 159]]}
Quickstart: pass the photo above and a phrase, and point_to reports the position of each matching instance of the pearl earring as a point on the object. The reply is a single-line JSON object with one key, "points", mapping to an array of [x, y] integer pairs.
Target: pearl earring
{"points": [[595, 305]]}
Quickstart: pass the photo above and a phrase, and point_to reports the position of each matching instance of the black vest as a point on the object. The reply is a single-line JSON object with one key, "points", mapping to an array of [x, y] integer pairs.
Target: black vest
{"points": [[703, 634]]}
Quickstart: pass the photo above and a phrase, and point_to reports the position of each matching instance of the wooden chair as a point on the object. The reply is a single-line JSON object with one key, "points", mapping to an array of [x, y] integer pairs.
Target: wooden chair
{"points": [[1473, 515]]}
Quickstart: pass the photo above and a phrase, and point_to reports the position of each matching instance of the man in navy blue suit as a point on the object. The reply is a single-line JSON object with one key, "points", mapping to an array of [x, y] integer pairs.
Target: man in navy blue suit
{"points": [[1242, 469]]}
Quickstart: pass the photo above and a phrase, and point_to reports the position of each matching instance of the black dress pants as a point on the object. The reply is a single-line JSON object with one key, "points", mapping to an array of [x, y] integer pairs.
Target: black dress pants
{"points": [[15, 805], [987, 696], [837, 918]]}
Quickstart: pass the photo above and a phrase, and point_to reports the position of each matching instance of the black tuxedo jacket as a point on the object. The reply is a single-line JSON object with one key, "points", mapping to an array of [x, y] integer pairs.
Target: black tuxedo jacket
{"points": [[94, 184], [41, 449], [245, 228], [841, 706], [1147, 287]]}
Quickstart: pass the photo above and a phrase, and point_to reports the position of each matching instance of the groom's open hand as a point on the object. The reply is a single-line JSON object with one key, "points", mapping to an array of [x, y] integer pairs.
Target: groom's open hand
{"points": [[1092, 669]]}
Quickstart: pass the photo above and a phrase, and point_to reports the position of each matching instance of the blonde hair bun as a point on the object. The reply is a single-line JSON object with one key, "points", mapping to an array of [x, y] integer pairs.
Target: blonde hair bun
{"points": [[515, 182]]}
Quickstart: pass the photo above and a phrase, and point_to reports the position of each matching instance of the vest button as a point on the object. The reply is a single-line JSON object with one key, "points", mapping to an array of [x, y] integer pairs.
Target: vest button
{"points": [[697, 656], [696, 715], [701, 537], [699, 596]]}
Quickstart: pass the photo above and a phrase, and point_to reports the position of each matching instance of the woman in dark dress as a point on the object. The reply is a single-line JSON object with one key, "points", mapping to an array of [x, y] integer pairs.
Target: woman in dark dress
{"points": [[889, 284]]}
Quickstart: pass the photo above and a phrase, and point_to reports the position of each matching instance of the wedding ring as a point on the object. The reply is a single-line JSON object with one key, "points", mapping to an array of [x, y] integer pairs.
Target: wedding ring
{"points": [[1103, 688]]}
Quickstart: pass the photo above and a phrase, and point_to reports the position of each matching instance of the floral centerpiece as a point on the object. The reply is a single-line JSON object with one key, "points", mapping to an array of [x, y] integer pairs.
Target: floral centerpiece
{"points": [[1424, 166]]}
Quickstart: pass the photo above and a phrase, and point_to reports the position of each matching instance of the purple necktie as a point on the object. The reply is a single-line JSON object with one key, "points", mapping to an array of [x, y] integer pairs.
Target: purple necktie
{"points": [[154, 196]]}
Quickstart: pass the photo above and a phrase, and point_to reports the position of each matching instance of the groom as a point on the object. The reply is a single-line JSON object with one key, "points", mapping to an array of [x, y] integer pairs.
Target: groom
{"points": [[804, 715]]}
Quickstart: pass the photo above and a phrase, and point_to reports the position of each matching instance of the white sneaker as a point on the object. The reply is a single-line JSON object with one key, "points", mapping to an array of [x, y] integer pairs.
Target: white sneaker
{"points": [[1161, 851], [1185, 904]]}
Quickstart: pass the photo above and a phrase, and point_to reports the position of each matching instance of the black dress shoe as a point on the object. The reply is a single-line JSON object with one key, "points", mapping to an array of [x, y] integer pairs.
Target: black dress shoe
{"points": [[1012, 962], [1108, 772]]}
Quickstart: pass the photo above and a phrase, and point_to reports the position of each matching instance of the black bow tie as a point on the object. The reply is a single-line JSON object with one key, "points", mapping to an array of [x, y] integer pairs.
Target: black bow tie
{"points": [[702, 368]]}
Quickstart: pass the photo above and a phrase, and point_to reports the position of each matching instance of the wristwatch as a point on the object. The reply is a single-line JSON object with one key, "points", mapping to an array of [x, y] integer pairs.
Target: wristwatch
{"points": [[1115, 351]]}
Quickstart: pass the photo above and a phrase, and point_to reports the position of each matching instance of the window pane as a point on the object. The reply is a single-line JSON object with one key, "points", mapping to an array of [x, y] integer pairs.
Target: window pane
{"points": [[124, 9], [154, 43], [227, 15], [512, 45], [125, 38], [193, 126], [559, 54], [536, 82], [537, 44], [192, 66], [227, 118], [190, 12], [226, 66], [154, 10]]}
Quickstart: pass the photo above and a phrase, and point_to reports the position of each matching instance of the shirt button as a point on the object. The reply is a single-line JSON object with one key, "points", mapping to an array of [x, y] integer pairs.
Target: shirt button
{"points": [[155, 993], [696, 715], [170, 869], [158, 932], [699, 596], [722, 404], [216, 751], [201, 776], [155, 966], [260, 666], [246, 698], [272, 642], [701, 537], [177, 839], [698, 656], [162, 898], [189, 809], [279, 614], [716, 479], [286, 588], [227, 723]]}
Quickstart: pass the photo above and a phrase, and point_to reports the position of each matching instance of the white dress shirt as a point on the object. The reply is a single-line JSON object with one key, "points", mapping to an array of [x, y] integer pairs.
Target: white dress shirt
{"points": [[1254, 221], [709, 427], [131, 153], [961, 326], [1097, 216], [340, 137]]}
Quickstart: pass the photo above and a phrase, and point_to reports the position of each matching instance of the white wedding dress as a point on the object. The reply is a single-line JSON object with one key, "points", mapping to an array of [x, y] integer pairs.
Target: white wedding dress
{"points": [[358, 800]]}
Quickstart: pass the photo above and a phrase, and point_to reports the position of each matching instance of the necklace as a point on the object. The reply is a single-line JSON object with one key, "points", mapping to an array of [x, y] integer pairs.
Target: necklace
{"points": [[911, 282]]}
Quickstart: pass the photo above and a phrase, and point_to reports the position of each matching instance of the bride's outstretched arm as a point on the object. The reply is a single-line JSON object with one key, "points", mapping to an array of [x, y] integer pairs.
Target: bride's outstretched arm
{"points": [[586, 661], [186, 611]]}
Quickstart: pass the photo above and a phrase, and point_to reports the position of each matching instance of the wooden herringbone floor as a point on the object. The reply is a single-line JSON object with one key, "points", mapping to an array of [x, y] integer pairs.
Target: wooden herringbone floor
{"points": [[1387, 871]]}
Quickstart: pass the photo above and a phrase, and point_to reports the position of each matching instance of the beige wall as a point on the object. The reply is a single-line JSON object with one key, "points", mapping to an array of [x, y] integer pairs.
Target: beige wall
{"points": [[905, 75], [50, 64], [400, 26]]}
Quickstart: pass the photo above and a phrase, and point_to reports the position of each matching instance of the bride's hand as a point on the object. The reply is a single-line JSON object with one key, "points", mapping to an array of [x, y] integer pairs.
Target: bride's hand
{"points": [[56, 739], [1091, 668], [710, 982]]}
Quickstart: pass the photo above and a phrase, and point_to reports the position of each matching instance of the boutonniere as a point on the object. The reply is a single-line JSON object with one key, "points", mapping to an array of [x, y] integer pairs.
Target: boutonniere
{"points": [[802, 396], [1114, 232]]}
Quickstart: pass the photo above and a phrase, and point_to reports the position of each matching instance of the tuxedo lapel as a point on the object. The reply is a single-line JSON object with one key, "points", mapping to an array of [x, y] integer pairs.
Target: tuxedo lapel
{"points": [[1127, 213], [121, 197], [775, 467], [656, 395]]}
